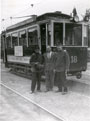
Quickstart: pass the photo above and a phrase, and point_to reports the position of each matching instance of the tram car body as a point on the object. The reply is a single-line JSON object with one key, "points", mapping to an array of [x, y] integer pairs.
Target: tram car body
{"points": [[48, 29]]}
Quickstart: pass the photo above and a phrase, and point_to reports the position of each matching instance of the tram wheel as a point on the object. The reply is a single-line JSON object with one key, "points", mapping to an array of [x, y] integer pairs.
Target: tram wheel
{"points": [[78, 75]]}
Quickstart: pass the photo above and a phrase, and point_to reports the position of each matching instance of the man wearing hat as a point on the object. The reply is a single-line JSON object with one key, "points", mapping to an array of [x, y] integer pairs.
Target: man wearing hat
{"points": [[36, 68]]}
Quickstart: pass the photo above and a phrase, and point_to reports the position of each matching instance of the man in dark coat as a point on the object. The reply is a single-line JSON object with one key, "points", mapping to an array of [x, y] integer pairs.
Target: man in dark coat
{"points": [[48, 67], [61, 67], [36, 68]]}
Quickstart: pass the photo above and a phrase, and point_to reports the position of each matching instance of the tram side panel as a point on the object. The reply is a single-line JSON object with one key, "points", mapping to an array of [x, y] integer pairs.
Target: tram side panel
{"points": [[78, 59]]}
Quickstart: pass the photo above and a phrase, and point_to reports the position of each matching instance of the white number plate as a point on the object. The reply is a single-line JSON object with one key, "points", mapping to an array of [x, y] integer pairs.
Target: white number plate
{"points": [[74, 59]]}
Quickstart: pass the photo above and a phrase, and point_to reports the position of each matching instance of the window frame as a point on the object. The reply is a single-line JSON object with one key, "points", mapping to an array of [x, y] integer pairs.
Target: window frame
{"points": [[85, 34], [25, 38], [8, 35], [32, 30], [74, 37], [12, 39]]}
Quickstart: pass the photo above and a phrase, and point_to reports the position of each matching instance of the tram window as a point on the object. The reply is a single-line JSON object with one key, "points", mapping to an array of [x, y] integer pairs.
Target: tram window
{"points": [[22, 38], [58, 33], [73, 34], [85, 36], [8, 41], [14, 39], [32, 37]]}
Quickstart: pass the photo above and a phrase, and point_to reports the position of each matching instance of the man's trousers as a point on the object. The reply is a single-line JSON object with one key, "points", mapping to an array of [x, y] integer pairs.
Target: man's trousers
{"points": [[36, 80], [61, 80], [49, 79]]}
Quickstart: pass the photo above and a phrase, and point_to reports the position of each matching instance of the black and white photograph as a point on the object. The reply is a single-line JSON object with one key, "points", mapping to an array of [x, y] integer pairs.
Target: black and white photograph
{"points": [[45, 60]]}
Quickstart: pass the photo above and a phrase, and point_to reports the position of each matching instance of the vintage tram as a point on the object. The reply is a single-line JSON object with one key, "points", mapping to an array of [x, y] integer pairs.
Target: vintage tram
{"points": [[48, 29]]}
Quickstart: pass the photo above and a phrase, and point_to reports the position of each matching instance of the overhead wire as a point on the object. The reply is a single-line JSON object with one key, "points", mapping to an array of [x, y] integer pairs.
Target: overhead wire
{"points": [[15, 14], [28, 7], [12, 17]]}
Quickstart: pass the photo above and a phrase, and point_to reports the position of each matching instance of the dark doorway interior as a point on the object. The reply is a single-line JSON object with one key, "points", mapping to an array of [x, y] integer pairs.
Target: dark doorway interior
{"points": [[43, 37]]}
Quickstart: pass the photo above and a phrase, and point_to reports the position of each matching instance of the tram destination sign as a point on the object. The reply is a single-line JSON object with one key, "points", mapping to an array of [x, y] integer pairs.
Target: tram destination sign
{"points": [[18, 59], [18, 50]]}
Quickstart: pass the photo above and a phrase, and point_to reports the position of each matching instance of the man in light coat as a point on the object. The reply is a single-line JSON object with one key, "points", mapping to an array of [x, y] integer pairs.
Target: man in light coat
{"points": [[48, 67]]}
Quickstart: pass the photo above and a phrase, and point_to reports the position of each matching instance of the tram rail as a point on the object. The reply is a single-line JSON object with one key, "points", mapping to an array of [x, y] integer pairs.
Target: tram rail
{"points": [[54, 116], [79, 98]]}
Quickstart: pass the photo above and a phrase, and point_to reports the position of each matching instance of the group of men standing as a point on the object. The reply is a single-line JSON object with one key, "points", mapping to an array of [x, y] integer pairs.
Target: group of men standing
{"points": [[55, 65]]}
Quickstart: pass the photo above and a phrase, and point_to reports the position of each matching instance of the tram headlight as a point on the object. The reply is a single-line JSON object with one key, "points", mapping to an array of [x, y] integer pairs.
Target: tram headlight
{"points": [[76, 18]]}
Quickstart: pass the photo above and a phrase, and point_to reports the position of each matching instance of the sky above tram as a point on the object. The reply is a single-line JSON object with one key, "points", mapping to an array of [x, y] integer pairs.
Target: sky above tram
{"points": [[20, 8]]}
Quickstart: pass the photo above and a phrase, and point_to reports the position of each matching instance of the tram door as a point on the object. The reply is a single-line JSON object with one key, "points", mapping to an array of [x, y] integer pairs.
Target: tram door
{"points": [[43, 38]]}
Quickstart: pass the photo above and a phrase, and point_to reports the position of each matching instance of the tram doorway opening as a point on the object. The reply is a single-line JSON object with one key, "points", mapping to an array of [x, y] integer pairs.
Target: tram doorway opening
{"points": [[43, 37]]}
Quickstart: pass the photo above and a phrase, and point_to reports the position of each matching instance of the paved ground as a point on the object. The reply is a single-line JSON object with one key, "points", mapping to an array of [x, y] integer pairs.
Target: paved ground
{"points": [[16, 108], [75, 106], [85, 76]]}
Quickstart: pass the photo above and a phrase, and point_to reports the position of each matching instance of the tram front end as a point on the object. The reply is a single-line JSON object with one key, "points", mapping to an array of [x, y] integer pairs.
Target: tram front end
{"points": [[78, 60]]}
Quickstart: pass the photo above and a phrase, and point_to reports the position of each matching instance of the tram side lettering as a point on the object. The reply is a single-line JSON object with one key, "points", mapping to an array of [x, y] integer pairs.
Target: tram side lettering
{"points": [[74, 59]]}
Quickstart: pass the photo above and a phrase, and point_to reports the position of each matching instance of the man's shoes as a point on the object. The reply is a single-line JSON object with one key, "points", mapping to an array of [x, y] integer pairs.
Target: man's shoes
{"points": [[65, 91], [31, 92], [58, 90], [51, 89], [46, 90], [38, 90]]}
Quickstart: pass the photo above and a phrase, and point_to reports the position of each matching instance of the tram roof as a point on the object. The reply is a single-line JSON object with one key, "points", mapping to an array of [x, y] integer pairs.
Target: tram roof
{"points": [[56, 14], [42, 17]]}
